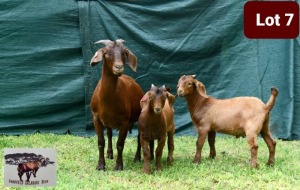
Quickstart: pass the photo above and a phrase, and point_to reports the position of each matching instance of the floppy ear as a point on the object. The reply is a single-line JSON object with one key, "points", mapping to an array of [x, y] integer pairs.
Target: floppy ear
{"points": [[97, 57], [171, 99], [144, 102], [201, 89], [131, 59]]}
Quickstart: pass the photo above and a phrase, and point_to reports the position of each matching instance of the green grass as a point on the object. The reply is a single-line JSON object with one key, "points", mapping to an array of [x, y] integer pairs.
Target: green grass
{"points": [[77, 158]]}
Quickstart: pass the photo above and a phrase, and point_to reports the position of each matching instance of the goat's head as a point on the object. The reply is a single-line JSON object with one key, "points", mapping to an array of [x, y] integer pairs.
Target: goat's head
{"points": [[156, 98], [188, 85], [115, 55]]}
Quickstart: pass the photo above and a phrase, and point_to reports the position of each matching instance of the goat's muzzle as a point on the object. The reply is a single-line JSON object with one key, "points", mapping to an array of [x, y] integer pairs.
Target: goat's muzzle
{"points": [[157, 110], [118, 70], [180, 92]]}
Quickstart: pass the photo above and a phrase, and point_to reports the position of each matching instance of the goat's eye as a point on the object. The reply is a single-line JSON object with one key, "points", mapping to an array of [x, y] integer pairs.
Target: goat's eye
{"points": [[190, 84]]}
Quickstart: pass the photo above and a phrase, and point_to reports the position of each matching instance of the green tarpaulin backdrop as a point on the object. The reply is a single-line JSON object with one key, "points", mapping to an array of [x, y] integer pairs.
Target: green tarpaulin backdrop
{"points": [[46, 82]]}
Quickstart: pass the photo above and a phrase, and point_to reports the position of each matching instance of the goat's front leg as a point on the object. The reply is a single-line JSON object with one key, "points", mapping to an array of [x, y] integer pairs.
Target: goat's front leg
{"points": [[146, 153], [211, 142], [202, 133], [120, 146], [101, 142], [34, 172], [159, 151], [20, 175], [110, 154], [137, 157]]}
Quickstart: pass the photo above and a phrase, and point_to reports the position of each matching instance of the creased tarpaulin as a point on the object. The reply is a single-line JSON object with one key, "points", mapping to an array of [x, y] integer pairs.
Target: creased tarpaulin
{"points": [[170, 39], [41, 71]]}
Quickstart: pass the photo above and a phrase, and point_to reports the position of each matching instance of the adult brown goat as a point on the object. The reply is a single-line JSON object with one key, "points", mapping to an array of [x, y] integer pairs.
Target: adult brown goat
{"points": [[236, 116], [27, 167], [115, 102], [155, 122]]}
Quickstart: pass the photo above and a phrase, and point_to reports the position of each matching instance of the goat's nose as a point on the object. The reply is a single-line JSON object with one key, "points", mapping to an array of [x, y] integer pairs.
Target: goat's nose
{"points": [[179, 91], [158, 110], [119, 66]]}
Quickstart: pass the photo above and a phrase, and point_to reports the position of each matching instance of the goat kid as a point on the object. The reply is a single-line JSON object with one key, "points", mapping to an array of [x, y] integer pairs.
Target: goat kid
{"points": [[240, 116], [115, 101], [156, 121]]}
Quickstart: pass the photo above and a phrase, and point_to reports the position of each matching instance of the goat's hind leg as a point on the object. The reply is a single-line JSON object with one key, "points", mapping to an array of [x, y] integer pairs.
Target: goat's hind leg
{"points": [[151, 145], [170, 158], [110, 154], [252, 141], [211, 142], [271, 143], [137, 157]]}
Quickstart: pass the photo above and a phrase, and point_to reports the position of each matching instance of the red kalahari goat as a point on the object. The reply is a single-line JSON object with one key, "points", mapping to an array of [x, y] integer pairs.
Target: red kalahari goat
{"points": [[235, 116], [156, 121], [29, 168], [115, 102]]}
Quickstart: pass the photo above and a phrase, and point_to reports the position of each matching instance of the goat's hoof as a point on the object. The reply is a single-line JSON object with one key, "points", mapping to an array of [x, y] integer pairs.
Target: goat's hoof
{"points": [[255, 166], [170, 161], [119, 167], [196, 161], [100, 167], [271, 162], [137, 159], [158, 169], [110, 156], [147, 171]]}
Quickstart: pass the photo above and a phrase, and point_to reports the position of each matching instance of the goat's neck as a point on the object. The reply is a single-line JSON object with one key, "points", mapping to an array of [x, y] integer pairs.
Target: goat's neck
{"points": [[108, 81], [195, 101]]}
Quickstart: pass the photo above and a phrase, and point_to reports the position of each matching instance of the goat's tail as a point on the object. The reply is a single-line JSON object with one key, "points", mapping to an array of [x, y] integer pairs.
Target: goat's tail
{"points": [[271, 101]]}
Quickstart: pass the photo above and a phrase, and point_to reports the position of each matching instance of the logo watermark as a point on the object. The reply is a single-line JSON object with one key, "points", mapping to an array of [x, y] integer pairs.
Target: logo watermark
{"points": [[29, 167]]}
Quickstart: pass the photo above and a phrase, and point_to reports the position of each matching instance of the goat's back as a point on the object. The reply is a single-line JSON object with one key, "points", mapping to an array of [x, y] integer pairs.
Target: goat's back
{"points": [[231, 115], [23, 167], [239, 104]]}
